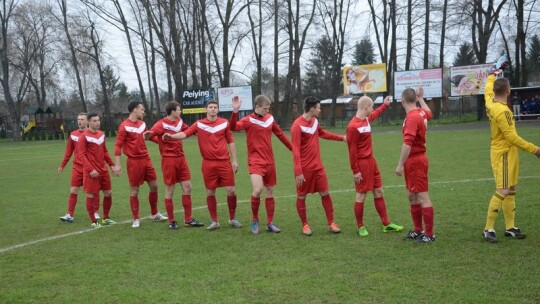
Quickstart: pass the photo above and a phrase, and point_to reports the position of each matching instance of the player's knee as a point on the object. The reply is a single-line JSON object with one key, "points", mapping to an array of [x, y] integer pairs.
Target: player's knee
{"points": [[231, 191], [378, 192], [269, 191]]}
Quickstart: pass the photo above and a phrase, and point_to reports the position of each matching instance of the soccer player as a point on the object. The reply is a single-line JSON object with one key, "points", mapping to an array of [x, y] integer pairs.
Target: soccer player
{"points": [[130, 139], [173, 163], [259, 127], [76, 170], [308, 167], [95, 158], [504, 154], [366, 173], [216, 144], [413, 162]]}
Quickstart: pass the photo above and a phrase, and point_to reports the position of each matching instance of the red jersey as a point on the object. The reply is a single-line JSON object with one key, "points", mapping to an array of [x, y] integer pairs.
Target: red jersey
{"points": [[259, 137], [130, 139], [359, 138], [213, 138], [71, 148], [305, 144], [414, 130], [168, 148], [93, 152]]}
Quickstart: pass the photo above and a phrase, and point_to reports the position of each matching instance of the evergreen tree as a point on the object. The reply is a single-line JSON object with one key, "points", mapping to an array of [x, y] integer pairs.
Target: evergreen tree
{"points": [[533, 56], [465, 56], [364, 52], [318, 81]]}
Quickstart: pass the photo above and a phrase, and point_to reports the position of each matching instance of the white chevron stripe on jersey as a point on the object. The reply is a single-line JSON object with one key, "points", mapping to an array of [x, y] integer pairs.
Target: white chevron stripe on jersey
{"points": [[173, 128], [97, 141], [312, 129], [138, 130], [74, 137], [264, 124], [212, 130], [364, 129]]}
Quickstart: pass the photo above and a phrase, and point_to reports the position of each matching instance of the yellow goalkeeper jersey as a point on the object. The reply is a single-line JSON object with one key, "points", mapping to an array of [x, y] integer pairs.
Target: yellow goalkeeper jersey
{"points": [[501, 121]]}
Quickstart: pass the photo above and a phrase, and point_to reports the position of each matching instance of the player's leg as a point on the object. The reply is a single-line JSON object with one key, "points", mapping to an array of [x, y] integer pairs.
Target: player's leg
{"points": [[321, 186], [359, 212], [509, 202], [499, 165], [380, 206], [257, 184], [427, 216], [169, 205], [106, 187]]}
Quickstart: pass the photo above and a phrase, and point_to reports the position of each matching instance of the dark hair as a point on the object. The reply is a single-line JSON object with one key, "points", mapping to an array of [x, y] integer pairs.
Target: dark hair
{"points": [[171, 107], [92, 115], [133, 105], [409, 95], [210, 102], [310, 102], [500, 86]]}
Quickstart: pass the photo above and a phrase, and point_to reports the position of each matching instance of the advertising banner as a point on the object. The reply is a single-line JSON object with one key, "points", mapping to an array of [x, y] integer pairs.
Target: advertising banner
{"points": [[468, 80], [194, 101], [367, 78], [430, 80], [225, 96]]}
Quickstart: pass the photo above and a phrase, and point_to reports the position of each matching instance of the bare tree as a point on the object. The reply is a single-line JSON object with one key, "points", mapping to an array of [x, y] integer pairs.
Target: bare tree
{"points": [[484, 21], [335, 16], [299, 19]]}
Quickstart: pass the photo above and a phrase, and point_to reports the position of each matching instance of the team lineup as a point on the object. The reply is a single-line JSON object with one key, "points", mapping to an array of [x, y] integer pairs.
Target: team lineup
{"points": [[91, 162]]}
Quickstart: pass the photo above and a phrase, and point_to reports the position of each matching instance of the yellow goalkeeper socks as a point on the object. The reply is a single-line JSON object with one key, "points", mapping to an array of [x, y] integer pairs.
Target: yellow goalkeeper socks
{"points": [[493, 210]]}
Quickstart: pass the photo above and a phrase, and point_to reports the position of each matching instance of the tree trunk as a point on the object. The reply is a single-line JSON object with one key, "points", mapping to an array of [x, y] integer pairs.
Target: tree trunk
{"points": [[74, 61]]}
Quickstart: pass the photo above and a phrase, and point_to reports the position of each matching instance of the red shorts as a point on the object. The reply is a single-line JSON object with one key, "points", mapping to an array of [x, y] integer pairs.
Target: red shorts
{"points": [[77, 176], [416, 173], [316, 181], [94, 185], [175, 170], [217, 173], [371, 176], [140, 170], [268, 173]]}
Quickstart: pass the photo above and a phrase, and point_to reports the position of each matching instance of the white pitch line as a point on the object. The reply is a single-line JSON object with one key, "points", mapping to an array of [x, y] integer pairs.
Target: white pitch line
{"points": [[10, 248]]}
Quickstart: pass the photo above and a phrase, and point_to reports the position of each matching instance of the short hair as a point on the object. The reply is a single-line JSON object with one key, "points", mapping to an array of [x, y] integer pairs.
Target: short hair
{"points": [[310, 102], [133, 105], [364, 101], [171, 107], [500, 86], [409, 95], [261, 100], [210, 102], [92, 115], [83, 114]]}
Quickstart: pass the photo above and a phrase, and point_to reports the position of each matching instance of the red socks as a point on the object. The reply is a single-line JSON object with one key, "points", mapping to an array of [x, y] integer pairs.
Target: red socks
{"points": [[169, 207], [72, 202], [359, 213], [212, 207], [255, 203], [231, 202], [186, 203], [301, 208], [134, 202], [427, 213], [107, 203], [153, 198], [270, 205], [328, 208], [90, 208], [380, 205]]}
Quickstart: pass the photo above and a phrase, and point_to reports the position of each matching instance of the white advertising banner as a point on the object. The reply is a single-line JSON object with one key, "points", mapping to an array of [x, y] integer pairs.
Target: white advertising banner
{"points": [[469, 80], [225, 96], [430, 80]]}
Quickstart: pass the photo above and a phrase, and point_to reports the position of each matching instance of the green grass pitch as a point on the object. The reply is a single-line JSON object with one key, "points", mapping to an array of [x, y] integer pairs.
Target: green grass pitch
{"points": [[43, 260]]}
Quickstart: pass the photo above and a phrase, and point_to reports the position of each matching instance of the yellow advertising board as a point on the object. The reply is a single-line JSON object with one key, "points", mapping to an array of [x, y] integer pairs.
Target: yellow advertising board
{"points": [[367, 78]]}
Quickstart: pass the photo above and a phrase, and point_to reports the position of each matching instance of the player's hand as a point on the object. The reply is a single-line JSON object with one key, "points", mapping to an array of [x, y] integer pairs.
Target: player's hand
{"points": [[399, 170], [94, 174], [537, 152], [117, 170], [420, 93], [387, 100], [300, 180], [167, 136], [147, 135], [234, 166], [344, 137], [236, 103], [357, 177], [60, 169]]}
